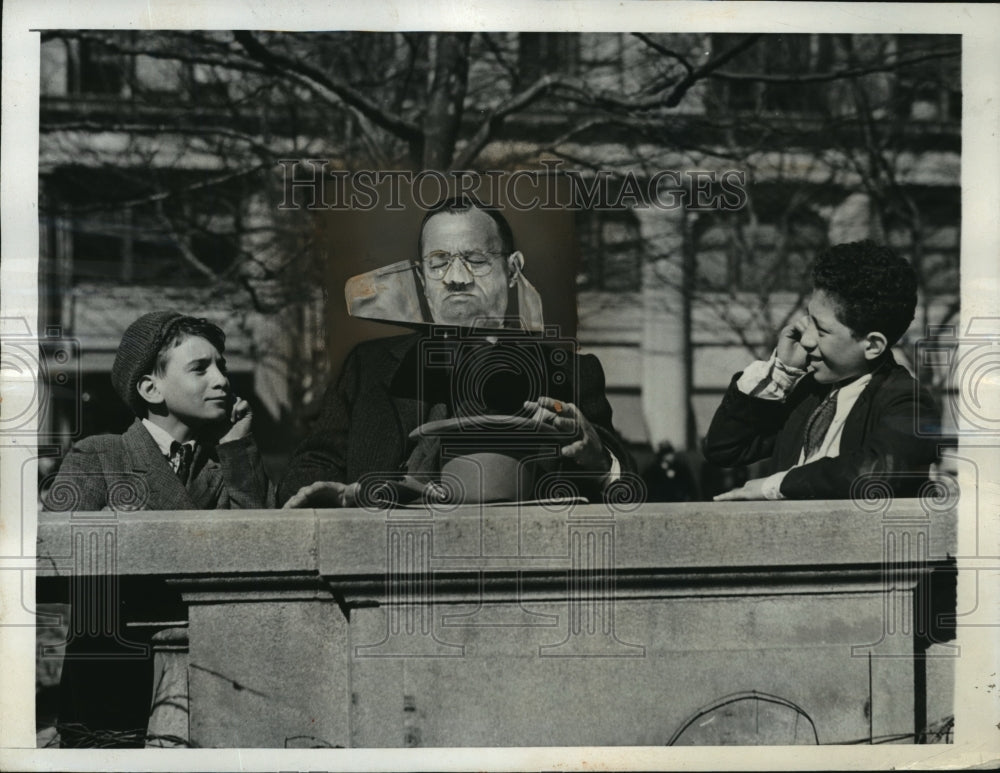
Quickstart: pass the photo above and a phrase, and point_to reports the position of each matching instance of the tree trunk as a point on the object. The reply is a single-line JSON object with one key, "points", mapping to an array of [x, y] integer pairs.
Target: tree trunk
{"points": [[446, 99]]}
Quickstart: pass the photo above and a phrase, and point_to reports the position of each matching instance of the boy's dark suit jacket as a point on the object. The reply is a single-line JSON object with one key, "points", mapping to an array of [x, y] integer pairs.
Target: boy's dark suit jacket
{"points": [[366, 417], [880, 438], [129, 472], [106, 700]]}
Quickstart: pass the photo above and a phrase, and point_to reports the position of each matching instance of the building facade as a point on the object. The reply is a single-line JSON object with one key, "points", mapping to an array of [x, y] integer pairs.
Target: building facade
{"points": [[702, 206]]}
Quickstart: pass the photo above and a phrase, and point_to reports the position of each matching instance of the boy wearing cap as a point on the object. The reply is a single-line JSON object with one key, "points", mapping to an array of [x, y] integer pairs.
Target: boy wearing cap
{"points": [[831, 408], [189, 448]]}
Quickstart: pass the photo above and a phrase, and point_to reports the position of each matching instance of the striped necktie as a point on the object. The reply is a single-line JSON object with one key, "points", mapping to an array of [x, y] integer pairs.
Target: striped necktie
{"points": [[819, 424]]}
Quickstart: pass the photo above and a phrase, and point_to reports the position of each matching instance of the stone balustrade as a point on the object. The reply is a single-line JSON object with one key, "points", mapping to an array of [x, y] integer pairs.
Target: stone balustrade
{"points": [[529, 625]]}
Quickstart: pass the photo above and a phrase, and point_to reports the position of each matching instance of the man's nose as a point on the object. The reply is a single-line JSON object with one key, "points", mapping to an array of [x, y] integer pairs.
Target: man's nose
{"points": [[457, 273]]}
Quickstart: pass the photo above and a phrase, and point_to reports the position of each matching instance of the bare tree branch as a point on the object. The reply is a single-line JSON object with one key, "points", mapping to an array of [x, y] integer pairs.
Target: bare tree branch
{"points": [[330, 88], [183, 244], [833, 75], [496, 117], [660, 49], [163, 195], [675, 96]]}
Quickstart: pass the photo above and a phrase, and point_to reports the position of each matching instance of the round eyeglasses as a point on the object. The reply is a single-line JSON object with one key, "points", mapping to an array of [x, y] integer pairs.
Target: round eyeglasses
{"points": [[437, 263]]}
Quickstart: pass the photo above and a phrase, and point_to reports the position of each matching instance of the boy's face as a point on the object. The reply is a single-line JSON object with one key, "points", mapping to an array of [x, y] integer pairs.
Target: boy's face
{"points": [[194, 385], [834, 354]]}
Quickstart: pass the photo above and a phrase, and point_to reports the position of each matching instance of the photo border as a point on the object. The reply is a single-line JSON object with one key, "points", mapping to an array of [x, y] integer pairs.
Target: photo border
{"points": [[976, 705]]}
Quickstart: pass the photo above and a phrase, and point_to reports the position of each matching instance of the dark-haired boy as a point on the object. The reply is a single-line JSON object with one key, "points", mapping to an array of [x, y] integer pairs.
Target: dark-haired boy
{"points": [[189, 448], [831, 404]]}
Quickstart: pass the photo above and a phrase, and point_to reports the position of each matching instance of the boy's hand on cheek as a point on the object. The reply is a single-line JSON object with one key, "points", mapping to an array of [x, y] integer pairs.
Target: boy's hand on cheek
{"points": [[241, 418], [790, 349]]}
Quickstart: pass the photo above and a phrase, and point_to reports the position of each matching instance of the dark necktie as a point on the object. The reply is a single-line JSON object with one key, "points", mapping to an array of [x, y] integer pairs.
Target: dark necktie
{"points": [[819, 424], [185, 455]]}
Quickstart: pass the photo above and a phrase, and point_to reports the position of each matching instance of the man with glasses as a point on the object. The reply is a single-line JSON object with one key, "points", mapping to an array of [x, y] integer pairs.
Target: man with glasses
{"points": [[468, 270], [468, 266]]}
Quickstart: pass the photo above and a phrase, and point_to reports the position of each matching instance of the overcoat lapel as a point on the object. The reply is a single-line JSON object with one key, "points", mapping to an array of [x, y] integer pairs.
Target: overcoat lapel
{"points": [[205, 487], [165, 489], [856, 424], [403, 386]]}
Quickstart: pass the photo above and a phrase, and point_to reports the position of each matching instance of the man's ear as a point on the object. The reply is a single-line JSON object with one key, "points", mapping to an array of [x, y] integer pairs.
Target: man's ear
{"points": [[515, 263], [876, 345], [149, 390]]}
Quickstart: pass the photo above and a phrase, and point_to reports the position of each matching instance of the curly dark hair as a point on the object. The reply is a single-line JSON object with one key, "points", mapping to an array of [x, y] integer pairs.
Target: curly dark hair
{"points": [[182, 328], [873, 288]]}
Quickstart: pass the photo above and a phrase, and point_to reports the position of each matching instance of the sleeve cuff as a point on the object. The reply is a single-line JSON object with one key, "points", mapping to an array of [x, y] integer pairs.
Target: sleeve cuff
{"points": [[769, 379], [235, 446], [772, 485], [615, 472]]}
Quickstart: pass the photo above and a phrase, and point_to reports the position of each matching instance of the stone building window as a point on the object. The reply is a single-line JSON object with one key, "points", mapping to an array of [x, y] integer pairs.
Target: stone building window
{"points": [[540, 53], [99, 70], [610, 251], [776, 55], [929, 90], [744, 252], [181, 240]]}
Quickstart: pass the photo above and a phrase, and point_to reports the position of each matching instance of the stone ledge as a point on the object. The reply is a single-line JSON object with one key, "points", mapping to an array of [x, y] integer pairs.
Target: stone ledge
{"points": [[753, 537]]}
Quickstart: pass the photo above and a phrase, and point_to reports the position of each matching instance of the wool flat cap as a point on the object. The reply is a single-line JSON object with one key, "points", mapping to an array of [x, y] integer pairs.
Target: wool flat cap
{"points": [[137, 354]]}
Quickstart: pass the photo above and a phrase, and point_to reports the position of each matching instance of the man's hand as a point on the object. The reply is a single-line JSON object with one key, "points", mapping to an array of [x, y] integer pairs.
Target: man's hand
{"points": [[790, 349], [752, 489], [240, 418], [586, 450], [324, 493]]}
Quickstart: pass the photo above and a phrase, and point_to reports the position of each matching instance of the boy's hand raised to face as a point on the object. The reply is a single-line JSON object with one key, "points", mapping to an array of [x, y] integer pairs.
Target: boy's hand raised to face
{"points": [[240, 418], [791, 352]]}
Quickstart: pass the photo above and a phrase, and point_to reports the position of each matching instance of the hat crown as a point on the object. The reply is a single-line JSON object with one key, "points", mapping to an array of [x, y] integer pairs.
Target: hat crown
{"points": [[137, 352]]}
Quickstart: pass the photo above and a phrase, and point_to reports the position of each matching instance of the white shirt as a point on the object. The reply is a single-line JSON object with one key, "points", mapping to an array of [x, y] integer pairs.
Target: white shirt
{"points": [[165, 442], [773, 380]]}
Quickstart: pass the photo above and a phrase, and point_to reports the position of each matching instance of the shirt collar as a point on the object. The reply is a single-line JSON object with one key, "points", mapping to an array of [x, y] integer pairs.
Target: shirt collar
{"points": [[164, 440], [854, 388], [848, 395]]}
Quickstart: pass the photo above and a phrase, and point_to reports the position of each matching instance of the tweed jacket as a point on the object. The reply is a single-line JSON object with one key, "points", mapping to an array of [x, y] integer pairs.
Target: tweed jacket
{"points": [[367, 415], [891, 434], [129, 472]]}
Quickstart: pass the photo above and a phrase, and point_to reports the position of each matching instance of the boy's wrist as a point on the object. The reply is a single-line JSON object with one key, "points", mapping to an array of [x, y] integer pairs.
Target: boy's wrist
{"points": [[769, 379], [235, 442]]}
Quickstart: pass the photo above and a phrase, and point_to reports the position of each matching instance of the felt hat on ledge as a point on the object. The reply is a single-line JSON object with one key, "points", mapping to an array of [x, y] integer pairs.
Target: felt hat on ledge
{"points": [[492, 458]]}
